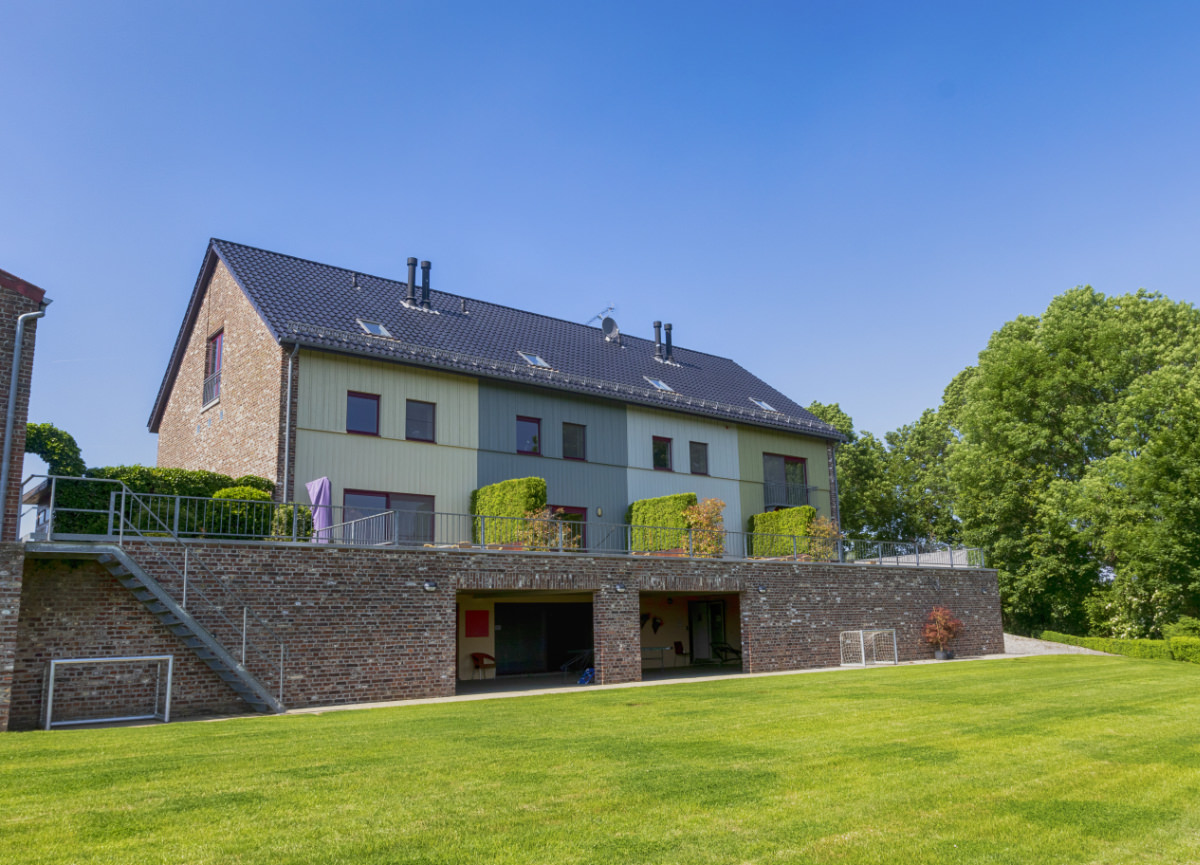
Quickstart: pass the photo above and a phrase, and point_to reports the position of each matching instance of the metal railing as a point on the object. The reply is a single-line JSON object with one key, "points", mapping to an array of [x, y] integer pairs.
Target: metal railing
{"points": [[148, 519], [785, 495], [212, 388], [152, 516]]}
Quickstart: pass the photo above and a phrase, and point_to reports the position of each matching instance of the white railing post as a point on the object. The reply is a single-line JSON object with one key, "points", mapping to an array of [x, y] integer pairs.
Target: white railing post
{"points": [[50, 520], [950, 550]]}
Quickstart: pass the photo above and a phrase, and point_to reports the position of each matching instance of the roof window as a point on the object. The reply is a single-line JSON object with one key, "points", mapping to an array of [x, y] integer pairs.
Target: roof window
{"points": [[764, 405], [534, 360], [659, 384], [373, 327]]}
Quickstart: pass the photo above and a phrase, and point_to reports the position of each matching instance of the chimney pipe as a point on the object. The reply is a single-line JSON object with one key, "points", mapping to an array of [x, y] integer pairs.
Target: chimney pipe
{"points": [[669, 358], [412, 282], [425, 284], [658, 352]]}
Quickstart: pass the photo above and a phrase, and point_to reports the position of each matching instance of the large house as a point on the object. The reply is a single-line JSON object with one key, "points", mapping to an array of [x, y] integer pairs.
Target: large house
{"points": [[408, 399]]}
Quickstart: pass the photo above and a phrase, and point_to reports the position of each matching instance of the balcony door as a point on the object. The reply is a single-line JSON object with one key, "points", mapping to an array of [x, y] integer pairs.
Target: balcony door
{"points": [[785, 484]]}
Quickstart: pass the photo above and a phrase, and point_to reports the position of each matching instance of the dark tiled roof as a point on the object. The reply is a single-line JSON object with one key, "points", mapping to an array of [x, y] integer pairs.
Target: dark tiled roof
{"points": [[317, 306]]}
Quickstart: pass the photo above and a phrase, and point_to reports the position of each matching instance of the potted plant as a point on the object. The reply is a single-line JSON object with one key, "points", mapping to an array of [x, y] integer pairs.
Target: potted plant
{"points": [[940, 629]]}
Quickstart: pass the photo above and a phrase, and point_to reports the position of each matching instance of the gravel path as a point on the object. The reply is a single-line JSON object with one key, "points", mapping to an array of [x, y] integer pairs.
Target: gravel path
{"points": [[1014, 645]]}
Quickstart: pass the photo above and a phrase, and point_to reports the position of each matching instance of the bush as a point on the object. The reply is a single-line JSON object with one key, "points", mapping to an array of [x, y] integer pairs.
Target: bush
{"points": [[281, 523], [1185, 649], [1157, 649], [790, 522], [654, 521], [1184, 626], [545, 529], [240, 512], [153, 515], [707, 522], [515, 498]]}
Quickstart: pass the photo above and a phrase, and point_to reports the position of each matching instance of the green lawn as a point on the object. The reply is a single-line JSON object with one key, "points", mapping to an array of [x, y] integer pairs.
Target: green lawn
{"points": [[1027, 760]]}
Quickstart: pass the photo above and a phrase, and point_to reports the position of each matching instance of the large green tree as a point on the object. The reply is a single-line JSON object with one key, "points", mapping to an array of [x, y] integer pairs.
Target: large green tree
{"points": [[1072, 429]]}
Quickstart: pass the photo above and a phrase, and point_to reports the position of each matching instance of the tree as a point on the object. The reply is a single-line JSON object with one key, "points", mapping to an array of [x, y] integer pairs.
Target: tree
{"points": [[1070, 436], [867, 502], [56, 447]]}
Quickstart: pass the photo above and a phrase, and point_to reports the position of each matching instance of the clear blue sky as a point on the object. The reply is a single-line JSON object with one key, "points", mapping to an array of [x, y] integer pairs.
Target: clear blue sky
{"points": [[847, 198]]}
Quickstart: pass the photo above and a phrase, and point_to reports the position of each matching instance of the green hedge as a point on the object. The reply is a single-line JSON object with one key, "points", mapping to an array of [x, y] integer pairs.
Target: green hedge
{"points": [[143, 479], [665, 522], [766, 527], [1186, 649], [511, 498], [1133, 648]]}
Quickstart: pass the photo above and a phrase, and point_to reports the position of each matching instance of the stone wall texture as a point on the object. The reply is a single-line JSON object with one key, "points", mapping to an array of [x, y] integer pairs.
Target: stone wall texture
{"points": [[12, 563], [251, 404], [12, 305], [361, 624]]}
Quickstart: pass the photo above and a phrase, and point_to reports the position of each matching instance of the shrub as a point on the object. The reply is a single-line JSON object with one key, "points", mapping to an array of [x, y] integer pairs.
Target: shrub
{"points": [[1184, 626], [941, 628], [1156, 649], [541, 530], [281, 523], [1185, 649], [660, 523], [57, 447], [767, 528], [515, 498], [706, 520], [240, 512]]}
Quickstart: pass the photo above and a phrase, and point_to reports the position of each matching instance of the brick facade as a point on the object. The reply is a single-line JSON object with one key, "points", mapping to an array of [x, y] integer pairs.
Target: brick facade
{"points": [[240, 433], [12, 562], [17, 297], [360, 625]]}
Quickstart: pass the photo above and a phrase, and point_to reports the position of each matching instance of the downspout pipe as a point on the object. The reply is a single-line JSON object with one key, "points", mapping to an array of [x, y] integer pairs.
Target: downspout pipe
{"points": [[14, 380], [287, 428]]}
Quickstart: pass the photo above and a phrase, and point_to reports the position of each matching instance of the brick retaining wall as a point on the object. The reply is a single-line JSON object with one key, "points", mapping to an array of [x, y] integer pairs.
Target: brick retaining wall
{"points": [[360, 626], [12, 562]]}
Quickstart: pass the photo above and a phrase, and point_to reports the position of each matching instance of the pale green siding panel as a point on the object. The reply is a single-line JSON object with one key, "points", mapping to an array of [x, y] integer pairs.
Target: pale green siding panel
{"points": [[753, 442], [722, 440], [326, 378], [446, 470]]}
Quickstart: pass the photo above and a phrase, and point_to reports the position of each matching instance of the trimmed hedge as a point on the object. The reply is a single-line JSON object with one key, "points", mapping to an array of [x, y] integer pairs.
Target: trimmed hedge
{"points": [[512, 498], [661, 515], [790, 521], [1158, 649], [249, 516], [141, 479], [1186, 649]]}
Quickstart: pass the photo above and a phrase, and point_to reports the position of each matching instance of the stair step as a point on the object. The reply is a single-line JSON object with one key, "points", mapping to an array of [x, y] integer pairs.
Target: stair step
{"points": [[169, 619], [157, 607]]}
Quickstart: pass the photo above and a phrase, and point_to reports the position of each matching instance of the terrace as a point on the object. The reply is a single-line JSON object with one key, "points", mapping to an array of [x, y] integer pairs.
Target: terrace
{"points": [[92, 509]]}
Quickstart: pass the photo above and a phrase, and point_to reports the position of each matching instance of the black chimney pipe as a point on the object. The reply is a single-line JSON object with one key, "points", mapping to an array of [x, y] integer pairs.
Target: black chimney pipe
{"points": [[425, 284], [669, 358], [412, 282], [658, 353]]}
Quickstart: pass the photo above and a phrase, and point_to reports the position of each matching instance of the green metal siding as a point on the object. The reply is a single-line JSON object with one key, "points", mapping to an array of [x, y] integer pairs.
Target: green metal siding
{"points": [[753, 442]]}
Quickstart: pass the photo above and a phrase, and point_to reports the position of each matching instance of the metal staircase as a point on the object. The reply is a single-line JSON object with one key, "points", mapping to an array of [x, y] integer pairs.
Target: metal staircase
{"points": [[196, 637]]}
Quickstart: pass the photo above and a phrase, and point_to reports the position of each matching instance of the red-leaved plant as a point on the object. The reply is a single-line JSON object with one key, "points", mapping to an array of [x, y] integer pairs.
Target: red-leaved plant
{"points": [[941, 627]]}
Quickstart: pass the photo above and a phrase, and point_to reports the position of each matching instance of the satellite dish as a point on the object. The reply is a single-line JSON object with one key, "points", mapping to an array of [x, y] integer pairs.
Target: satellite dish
{"points": [[611, 332]]}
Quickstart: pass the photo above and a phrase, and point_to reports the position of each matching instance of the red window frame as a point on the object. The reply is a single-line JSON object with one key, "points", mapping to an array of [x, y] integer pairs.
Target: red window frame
{"points": [[374, 397], [670, 466], [536, 421], [432, 420]]}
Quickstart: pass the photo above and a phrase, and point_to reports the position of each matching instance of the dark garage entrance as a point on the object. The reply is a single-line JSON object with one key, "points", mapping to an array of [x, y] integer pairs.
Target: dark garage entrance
{"points": [[540, 638]]}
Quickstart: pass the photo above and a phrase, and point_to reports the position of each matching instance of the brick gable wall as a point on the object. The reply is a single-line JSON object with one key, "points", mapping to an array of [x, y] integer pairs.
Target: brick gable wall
{"points": [[12, 305], [241, 433]]}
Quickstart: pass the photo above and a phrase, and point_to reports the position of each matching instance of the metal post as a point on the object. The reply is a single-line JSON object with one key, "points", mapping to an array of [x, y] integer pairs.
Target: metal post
{"points": [[295, 521], [862, 647], [483, 532], [395, 528], [841, 550], [112, 506], [795, 549], [175, 529], [950, 550], [244, 613], [170, 677], [917, 547], [895, 651], [560, 536], [690, 554], [185, 576], [50, 521], [121, 521], [879, 546], [50, 693]]}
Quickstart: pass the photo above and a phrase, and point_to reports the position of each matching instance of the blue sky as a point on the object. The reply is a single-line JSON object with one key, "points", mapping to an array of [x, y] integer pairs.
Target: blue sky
{"points": [[847, 198]]}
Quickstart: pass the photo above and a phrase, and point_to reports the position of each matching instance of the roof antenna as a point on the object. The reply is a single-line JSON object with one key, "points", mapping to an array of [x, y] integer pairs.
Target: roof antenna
{"points": [[600, 315]]}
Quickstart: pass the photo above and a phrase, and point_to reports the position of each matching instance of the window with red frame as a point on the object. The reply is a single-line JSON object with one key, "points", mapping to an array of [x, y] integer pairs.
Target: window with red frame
{"points": [[362, 413], [661, 448], [529, 435], [214, 355]]}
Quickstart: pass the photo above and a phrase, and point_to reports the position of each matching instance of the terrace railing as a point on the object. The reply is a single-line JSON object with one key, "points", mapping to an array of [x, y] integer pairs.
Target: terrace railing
{"points": [[184, 517]]}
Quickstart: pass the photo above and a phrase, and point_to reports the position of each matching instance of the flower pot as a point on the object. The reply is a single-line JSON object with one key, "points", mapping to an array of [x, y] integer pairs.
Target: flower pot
{"points": [[943, 655]]}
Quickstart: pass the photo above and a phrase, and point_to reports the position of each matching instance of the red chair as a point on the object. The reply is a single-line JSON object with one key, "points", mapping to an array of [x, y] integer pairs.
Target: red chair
{"points": [[483, 662], [680, 653]]}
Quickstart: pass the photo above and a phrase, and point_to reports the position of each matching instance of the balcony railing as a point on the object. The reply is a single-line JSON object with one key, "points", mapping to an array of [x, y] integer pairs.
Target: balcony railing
{"points": [[212, 388], [85, 510], [783, 495]]}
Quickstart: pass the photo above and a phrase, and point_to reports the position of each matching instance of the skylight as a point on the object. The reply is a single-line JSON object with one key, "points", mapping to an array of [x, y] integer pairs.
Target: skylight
{"points": [[763, 404], [534, 360], [659, 383], [373, 327]]}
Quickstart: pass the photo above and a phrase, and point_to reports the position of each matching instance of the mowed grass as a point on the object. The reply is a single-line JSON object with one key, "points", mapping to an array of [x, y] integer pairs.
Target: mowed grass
{"points": [[1033, 760]]}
